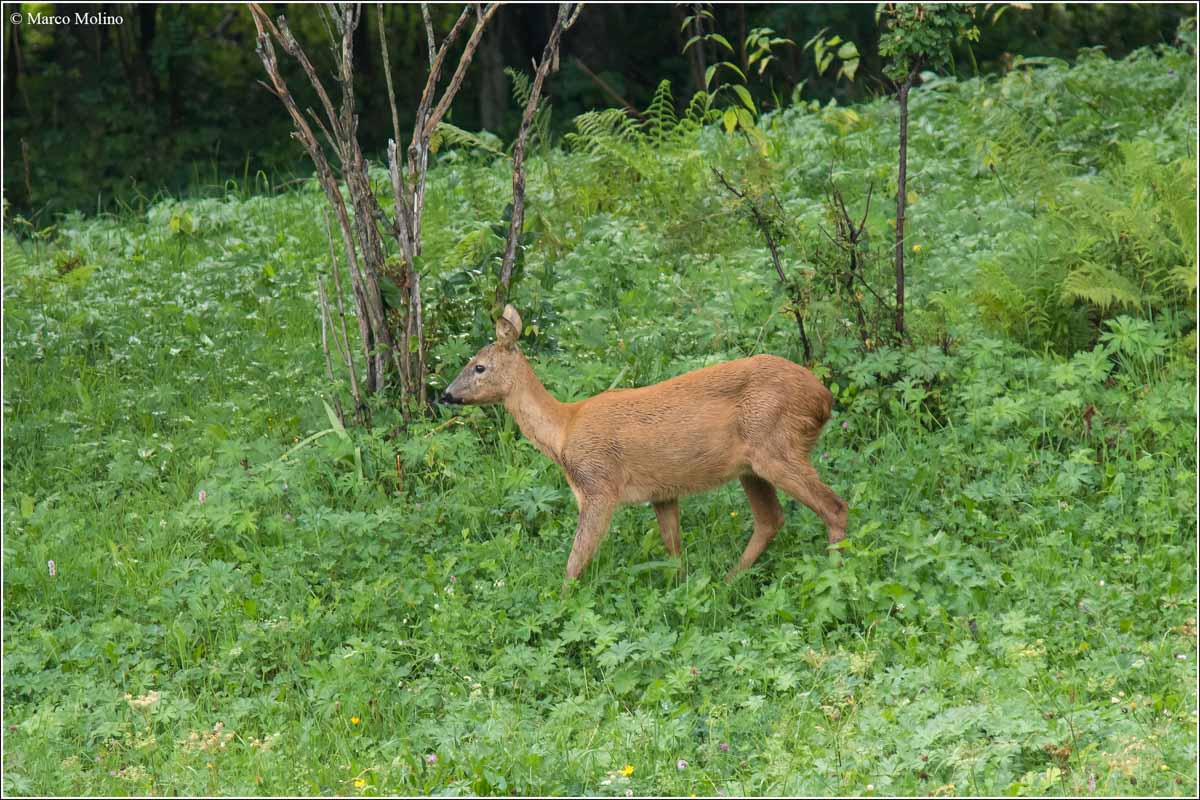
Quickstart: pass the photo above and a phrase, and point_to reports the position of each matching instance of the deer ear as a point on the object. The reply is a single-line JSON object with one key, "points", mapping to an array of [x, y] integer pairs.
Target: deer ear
{"points": [[508, 327]]}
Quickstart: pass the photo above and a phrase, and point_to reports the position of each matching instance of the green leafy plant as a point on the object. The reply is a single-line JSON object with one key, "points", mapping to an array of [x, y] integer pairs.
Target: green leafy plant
{"points": [[743, 112], [825, 49]]}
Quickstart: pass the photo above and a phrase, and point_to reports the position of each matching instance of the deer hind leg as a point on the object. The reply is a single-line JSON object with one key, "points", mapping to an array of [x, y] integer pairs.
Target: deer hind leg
{"points": [[768, 519], [594, 516], [801, 481]]}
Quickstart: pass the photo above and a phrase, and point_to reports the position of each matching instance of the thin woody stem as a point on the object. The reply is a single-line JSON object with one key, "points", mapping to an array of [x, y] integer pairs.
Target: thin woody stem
{"points": [[516, 224]]}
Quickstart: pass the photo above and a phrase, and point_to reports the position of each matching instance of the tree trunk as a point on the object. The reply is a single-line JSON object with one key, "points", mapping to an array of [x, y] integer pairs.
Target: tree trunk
{"points": [[147, 30], [901, 198], [697, 50], [14, 82], [682, 36], [741, 8], [364, 67], [493, 89]]}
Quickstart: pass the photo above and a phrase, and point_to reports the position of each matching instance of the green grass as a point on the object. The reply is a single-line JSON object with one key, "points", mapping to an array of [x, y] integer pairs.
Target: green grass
{"points": [[1017, 608]]}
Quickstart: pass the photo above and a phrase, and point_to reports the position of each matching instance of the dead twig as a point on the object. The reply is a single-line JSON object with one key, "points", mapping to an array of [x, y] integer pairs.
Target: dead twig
{"points": [[610, 91], [362, 412], [565, 19], [764, 226]]}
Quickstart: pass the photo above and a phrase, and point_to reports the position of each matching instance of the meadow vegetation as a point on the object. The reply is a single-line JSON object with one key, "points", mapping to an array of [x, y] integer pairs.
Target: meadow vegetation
{"points": [[249, 598]]}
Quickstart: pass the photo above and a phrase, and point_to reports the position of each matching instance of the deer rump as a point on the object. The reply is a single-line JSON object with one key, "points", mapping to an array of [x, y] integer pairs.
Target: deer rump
{"points": [[694, 432]]}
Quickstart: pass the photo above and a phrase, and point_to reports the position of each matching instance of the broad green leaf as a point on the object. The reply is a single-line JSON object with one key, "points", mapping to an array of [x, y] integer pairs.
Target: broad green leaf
{"points": [[716, 37], [391, 292], [334, 422], [745, 97], [735, 68], [648, 565]]}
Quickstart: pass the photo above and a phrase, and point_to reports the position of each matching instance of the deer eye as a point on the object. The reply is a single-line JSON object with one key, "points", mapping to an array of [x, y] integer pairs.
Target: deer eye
{"points": [[480, 368]]}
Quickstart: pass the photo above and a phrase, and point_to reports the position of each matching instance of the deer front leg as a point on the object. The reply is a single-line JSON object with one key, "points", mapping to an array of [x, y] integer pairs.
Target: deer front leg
{"points": [[594, 516], [668, 523]]}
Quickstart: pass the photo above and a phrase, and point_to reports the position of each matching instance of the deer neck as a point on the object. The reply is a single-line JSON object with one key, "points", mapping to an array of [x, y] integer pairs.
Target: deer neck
{"points": [[541, 418]]}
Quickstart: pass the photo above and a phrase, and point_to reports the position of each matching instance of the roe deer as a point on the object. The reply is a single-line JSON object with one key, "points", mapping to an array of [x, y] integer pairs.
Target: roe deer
{"points": [[755, 419]]}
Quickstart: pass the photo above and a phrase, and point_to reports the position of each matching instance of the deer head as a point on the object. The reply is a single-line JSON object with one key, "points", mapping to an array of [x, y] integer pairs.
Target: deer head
{"points": [[489, 376]]}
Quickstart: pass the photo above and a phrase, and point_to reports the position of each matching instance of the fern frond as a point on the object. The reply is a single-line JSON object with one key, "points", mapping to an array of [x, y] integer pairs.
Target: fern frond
{"points": [[1184, 277], [1179, 197], [606, 126], [16, 260], [1100, 286], [661, 119], [700, 111], [1001, 299], [473, 247], [521, 85], [452, 136]]}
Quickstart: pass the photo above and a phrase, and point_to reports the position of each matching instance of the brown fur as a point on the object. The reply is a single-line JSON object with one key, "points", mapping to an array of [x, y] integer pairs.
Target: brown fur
{"points": [[755, 419]]}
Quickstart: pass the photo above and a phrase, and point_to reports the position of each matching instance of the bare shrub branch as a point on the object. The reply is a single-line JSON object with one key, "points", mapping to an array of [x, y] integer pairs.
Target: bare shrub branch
{"points": [[365, 251], [565, 19]]}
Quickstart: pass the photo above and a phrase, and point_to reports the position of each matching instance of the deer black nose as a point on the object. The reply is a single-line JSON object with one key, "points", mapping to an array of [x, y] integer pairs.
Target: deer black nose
{"points": [[449, 398]]}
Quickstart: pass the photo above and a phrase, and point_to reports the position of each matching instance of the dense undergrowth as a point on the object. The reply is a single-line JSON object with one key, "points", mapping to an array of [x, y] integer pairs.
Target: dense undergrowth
{"points": [[247, 598]]}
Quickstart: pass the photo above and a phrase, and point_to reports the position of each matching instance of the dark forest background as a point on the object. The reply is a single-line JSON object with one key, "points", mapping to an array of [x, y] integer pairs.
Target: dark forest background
{"points": [[103, 116]]}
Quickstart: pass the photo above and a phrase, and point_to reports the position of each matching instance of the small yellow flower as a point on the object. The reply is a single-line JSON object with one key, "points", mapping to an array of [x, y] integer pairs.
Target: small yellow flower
{"points": [[733, 513], [627, 770], [355, 720], [916, 248], [360, 783], [210, 765]]}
